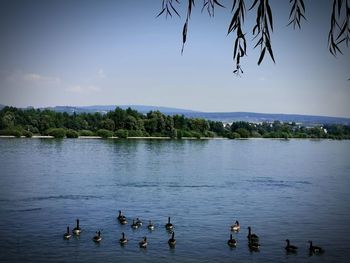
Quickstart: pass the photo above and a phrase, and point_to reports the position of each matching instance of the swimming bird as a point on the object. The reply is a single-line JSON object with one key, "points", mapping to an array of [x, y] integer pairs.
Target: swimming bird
{"points": [[67, 235], [122, 218], [252, 237], [290, 248], [138, 222], [77, 229], [253, 245], [231, 242], [143, 243], [150, 225], [235, 227], [123, 221], [134, 225], [97, 238], [172, 240], [123, 240], [315, 249], [169, 226]]}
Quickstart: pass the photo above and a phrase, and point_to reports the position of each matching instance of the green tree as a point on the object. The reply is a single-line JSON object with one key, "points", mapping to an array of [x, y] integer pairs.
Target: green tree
{"points": [[180, 122], [8, 120], [58, 133], [244, 133], [119, 117], [107, 124], [121, 133], [72, 134], [104, 133], [131, 123], [199, 125]]}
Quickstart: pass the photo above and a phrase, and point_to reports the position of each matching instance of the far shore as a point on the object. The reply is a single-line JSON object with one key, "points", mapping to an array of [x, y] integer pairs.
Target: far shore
{"points": [[163, 138], [98, 137]]}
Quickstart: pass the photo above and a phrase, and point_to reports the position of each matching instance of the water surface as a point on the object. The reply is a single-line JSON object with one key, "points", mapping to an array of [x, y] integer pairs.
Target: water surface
{"points": [[296, 189]]}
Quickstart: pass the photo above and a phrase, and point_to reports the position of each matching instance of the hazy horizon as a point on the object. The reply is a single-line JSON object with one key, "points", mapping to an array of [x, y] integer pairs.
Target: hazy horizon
{"points": [[175, 108], [118, 53]]}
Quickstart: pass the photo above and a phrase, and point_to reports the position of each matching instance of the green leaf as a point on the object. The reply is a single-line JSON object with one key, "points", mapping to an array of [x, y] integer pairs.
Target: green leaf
{"points": [[261, 56], [302, 5], [271, 53], [233, 6], [269, 12], [292, 10], [342, 30], [253, 4], [184, 32], [172, 7], [161, 12], [235, 48], [217, 3], [259, 42]]}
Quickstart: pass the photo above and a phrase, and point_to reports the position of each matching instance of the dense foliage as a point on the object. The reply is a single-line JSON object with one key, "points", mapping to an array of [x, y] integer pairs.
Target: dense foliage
{"points": [[131, 123]]}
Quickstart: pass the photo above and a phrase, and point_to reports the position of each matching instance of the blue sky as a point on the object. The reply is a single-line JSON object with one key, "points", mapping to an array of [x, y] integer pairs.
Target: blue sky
{"points": [[117, 52]]}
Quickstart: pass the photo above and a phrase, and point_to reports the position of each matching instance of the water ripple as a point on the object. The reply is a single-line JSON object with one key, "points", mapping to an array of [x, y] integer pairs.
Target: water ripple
{"points": [[267, 181], [27, 210], [156, 185], [53, 197]]}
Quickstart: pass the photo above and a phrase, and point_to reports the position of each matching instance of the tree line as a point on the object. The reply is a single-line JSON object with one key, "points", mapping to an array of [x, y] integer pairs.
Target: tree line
{"points": [[131, 123]]}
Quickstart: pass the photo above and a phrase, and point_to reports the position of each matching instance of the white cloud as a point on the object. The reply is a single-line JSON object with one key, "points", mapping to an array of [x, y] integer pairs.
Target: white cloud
{"points": [[34, 77], [22, 78], [83, 89]]}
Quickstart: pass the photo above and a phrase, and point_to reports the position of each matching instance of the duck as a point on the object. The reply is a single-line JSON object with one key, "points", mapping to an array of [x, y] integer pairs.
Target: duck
{"points": [[252, 237], [235, 227], [67, 235], [290, 248], [120, 216], [231, 242], [143, 243], [253, 245], [169, 226], [172, 240], [315, 249], [123, 221], [138, 222], [134, 225], [150, 225], [97, 238], [123, 240], [77, 229]]}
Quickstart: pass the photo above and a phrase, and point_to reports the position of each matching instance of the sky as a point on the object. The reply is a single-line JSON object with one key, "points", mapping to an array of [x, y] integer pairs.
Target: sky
{"points": [[81, 53]]}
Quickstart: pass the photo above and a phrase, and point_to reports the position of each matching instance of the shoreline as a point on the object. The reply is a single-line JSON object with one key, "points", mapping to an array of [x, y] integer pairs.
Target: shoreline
{"points": [[114, 137], [159, 138]]}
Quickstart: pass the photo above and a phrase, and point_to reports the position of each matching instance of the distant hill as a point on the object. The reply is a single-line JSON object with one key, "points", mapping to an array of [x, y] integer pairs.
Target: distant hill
{"points": [[268, 117], [107, 108], [215, 116]]}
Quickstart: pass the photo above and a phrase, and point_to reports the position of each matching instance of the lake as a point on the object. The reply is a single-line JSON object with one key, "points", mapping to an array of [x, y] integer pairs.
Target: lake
{"points": [[295, 189]]}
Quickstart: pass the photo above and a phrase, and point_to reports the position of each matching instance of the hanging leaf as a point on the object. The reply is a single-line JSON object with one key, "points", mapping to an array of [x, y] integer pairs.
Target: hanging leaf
{"points": [[262, 54], [172, 7], [255, 1], [217, 3], [270, 16], [271, 53], [161, 12]]}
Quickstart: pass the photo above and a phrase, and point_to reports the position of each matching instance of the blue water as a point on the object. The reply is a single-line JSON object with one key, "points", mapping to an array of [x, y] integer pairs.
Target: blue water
{"points": [[295, 189]]}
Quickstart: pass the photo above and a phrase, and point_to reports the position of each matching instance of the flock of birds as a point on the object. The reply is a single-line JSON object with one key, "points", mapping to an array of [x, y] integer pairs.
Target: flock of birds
{"points": [[253, 239]]}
